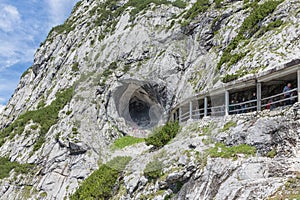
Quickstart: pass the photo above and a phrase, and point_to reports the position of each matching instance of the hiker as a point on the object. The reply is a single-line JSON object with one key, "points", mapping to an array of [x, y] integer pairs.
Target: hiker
{"points": [[287, 94], [270, 105], [254, 103], [243, 106]]}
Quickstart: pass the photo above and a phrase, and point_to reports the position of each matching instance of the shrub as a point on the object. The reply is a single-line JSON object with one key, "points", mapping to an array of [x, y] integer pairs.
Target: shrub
{"points": [[26, 72], [218, 3], [34, 127], [269, 27], [220, 150], [272, 153], [153, 169], [126, 141], [45, 117], [230, 77], [67, 27], [249, 27], [198, 7], [162, 135], [228, 125], [6, 166], [75, 67], [100, 184]]}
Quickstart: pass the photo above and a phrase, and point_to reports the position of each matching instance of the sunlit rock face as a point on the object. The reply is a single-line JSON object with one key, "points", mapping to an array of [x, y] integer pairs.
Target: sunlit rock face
{"points": [[128, 72]]}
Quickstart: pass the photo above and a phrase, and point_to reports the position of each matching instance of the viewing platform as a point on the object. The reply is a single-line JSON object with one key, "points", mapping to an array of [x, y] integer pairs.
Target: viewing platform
{"points": [[257, 92]]}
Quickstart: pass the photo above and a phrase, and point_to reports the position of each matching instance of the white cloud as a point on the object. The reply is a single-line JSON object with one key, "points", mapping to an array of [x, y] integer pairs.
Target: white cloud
{"points": [[9, 17], [59, 10]]}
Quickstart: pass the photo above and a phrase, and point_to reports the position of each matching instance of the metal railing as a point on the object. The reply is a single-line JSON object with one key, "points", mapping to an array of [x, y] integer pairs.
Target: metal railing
{"points": [[273, 101]]}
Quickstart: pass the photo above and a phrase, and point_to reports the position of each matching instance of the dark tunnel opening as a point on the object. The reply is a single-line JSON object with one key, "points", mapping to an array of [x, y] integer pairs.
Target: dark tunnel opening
{"points": [[139, 112]]}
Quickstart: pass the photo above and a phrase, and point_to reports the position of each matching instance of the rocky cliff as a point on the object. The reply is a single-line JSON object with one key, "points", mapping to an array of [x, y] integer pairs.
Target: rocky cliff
{"points": [[116, 68]]}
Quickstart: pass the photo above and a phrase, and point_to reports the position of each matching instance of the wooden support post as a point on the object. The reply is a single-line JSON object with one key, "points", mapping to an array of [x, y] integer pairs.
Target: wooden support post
{"points": [[205, 106], [180, 114], [258, 94], [191, 110], [226, 103], [298, 77]]}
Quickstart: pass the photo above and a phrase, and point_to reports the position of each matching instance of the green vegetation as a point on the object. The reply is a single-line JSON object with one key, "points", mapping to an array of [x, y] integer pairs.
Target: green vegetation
{"points": [[76, 6], [162, 135], [153, 169], [291, 189], [126, 141], [34, 127], [6, 166], [108, 12], [75, 131], [249, 27], [75, 67], [41, 104], [227, 126], [220, 150], [230, 77], [67, 27], [101, 183], [218, 3], [126, 68], [107, 72], [26, 72], [239, 73], [269, 27], [45, 117], [272, 153], [199, 7], [207, 130]]}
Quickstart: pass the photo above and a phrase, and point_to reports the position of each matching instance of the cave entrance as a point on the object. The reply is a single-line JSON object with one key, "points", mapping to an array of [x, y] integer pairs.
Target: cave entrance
{"points": [[140, 103], [139, 112]]}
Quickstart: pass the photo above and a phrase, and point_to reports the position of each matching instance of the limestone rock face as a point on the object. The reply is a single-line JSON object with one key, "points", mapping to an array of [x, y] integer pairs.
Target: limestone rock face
{"points": [[128, 65]]}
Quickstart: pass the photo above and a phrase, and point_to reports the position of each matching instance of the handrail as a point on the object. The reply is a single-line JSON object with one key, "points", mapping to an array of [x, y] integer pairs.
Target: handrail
{"points": [[217, 107], [246, 102], [280, 94], [243, 109], [281, 100]]}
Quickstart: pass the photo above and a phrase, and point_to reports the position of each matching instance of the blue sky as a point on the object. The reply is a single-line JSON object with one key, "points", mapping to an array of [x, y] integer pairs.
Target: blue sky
{"points": [[23, 26]]}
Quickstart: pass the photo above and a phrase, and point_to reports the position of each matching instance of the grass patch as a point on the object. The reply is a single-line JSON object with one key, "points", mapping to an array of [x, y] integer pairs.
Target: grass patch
{"points": [[126, 141], [207, 130], [7, 166], [223, 151], [45, 117], [272, 153], [75, 67], [101, 183], [291, 189], [228, 125], [153, 169], [162, 135]]}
